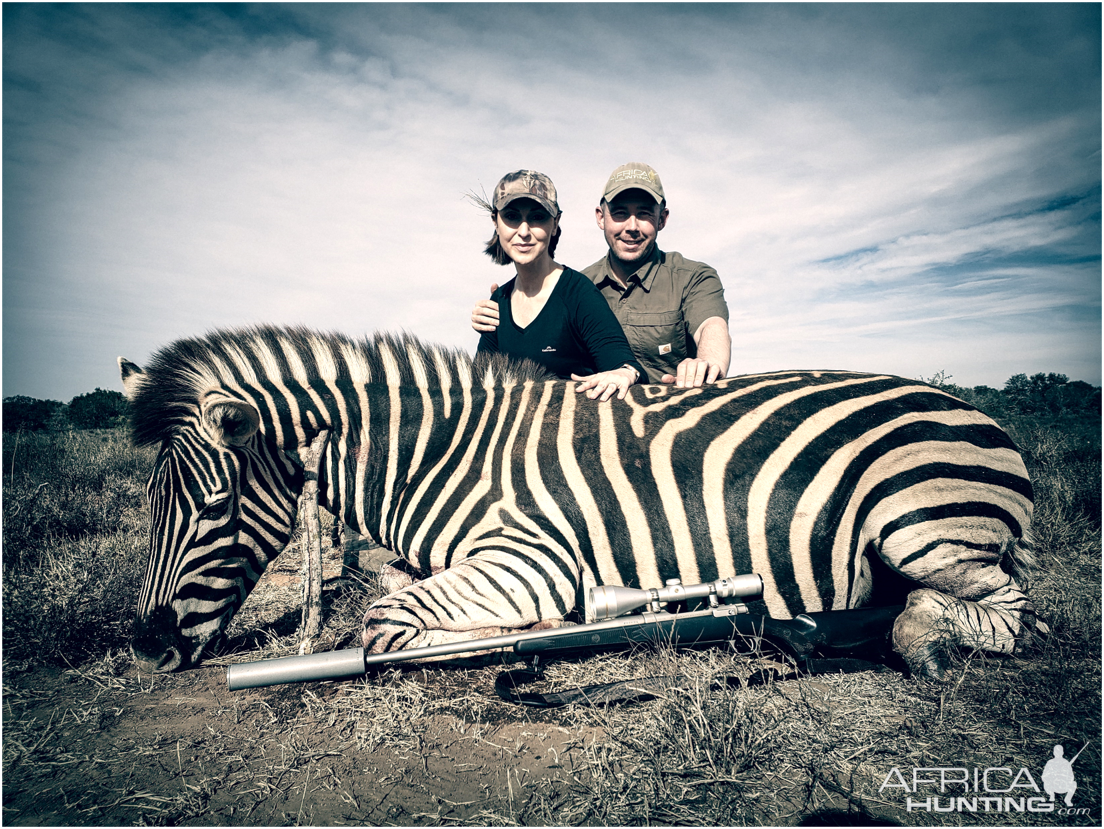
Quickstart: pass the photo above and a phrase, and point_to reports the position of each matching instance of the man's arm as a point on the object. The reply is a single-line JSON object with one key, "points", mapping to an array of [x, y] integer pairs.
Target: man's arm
{"points": [[714, 354], [484, 315]]}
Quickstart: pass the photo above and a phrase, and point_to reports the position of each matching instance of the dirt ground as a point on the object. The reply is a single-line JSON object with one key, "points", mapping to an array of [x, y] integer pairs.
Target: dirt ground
{"points": [[108, 746], [82, 751], [189, 752], [103, 745]]}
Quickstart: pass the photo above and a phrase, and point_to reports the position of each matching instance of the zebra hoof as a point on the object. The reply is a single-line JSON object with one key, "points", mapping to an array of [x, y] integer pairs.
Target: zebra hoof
{"points": [[931, 660], [393, 579], [922, 636], [1033, 638]]}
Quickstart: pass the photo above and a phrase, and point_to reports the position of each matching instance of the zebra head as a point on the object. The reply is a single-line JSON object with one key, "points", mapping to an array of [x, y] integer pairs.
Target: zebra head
{"points": [[222, 503]]}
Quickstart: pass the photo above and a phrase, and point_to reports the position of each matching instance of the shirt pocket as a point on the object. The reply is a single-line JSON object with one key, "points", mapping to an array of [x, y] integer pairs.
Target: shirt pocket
{"points": [[657, 338]]}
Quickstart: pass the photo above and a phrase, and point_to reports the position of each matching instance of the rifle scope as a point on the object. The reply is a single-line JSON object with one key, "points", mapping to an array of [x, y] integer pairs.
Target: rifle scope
{"points": [[610, 602]]}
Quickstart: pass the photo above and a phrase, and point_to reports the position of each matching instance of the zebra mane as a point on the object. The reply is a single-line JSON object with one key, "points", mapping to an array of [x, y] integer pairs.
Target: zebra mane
{"points": [[178, 374]]}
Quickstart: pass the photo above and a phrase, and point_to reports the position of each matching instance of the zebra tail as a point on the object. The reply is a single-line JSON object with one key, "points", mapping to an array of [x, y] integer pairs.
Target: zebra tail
{"points": [[1021, 559]]}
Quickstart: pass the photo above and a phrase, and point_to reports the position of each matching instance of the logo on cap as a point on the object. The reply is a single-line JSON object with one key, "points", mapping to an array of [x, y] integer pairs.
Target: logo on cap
{"points": [[634, 176]]}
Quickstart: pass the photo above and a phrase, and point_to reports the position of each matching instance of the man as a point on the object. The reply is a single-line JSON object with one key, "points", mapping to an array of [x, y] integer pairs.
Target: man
{"points": [[672, 309]]}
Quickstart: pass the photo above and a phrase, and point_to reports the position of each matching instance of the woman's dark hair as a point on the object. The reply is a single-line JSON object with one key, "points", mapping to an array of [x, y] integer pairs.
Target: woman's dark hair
{"points": [[494, 247]]}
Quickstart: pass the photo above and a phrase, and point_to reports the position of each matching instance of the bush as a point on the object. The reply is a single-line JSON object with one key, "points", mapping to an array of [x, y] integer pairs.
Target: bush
{"points": [[1063, 460], [1050, 394], [27, 414], [1047, 398], [98, 409], [77, 602]]}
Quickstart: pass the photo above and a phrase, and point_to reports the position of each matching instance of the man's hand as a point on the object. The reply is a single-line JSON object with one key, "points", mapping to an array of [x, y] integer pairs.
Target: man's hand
{"points": [[605, 383], [484, 315], [693, 372], [714, 354]]}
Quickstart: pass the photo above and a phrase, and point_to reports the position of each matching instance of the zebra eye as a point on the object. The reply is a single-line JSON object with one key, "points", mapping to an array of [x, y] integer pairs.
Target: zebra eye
{"points": [[215, 505]]}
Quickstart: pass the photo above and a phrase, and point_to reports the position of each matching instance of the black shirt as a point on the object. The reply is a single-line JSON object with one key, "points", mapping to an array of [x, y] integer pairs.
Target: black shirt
{"points": [[575, 332]]}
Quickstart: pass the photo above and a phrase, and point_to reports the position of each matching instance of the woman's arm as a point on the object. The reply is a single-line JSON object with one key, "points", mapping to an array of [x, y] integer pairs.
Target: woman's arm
{"points": [[601, 335]]}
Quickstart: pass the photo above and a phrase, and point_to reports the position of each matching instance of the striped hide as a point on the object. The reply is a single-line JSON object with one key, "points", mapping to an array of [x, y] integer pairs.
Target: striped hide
{"points": [[512, 494]]}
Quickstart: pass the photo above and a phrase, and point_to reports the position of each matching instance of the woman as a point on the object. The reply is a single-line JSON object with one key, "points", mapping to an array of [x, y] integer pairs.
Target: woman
{"points": [[548, 313]]}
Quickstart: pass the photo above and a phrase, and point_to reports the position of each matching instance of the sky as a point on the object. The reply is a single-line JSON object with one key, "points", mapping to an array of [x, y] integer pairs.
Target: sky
{"points": [[909, 189]]}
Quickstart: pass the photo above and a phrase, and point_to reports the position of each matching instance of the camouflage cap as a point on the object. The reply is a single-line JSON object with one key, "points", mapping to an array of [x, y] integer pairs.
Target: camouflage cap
{"points": [[634, 176], [527, 184]]}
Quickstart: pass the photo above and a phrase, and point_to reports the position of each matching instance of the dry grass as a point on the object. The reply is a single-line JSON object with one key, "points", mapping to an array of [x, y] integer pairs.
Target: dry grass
{"points": [[718, 752], [105, 745]]}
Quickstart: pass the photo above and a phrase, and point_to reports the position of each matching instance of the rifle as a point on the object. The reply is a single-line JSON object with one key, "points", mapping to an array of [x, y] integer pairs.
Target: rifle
{"points": [[862, 632]]}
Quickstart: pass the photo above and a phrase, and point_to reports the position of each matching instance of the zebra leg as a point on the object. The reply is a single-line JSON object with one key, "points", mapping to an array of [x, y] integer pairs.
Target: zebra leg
{"points": [[973, 604], [490, 593]]}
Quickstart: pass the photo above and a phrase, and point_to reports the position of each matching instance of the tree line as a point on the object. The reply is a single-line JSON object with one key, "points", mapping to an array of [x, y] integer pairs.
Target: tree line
{"points": [[1040, 394], [99, 409]]}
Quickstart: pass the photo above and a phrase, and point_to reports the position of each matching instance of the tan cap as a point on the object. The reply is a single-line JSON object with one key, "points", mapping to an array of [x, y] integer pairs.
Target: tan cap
{"points": [[634, 176], [527, 184]]}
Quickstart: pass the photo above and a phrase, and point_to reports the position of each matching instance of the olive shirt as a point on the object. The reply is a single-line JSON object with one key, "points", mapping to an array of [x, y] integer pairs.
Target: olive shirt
{"points": [[666, 301], [574, 333]]}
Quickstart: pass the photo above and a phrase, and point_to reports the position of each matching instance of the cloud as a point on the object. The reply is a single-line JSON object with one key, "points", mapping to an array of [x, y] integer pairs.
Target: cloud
{"points": [[874, 183]]}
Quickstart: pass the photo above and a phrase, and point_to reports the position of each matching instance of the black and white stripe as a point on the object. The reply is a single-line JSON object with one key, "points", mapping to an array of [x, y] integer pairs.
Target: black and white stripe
{"points": [[513, 494]]}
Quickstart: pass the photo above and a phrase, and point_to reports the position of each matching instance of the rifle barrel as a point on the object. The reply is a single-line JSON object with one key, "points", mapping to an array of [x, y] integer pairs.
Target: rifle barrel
{"points": [[343, 664], [354, 662]]}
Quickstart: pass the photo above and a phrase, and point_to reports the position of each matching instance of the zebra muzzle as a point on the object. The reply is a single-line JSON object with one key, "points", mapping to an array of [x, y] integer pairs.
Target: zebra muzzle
{"points": [[158, 646]]}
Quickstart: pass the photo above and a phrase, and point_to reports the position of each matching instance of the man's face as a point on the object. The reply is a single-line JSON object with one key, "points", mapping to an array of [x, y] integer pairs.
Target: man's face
{"points": [[631, 223]]}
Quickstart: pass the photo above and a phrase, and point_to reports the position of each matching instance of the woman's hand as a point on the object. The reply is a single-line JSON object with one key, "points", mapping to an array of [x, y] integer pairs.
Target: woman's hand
{"points": [[605, 383]]}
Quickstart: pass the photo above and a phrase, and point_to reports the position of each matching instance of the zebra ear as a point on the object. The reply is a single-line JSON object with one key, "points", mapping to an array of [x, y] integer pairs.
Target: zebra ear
{"points": [[133, 377], [231, 422]]}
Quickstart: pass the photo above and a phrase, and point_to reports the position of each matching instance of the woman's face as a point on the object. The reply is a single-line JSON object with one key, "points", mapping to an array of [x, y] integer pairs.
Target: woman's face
{"points": [[525, 230]]}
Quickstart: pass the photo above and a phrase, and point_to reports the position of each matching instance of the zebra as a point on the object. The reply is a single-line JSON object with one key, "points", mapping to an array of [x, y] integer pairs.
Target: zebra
{"points": [[512, 495]]}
